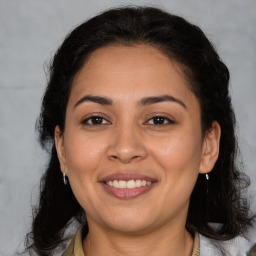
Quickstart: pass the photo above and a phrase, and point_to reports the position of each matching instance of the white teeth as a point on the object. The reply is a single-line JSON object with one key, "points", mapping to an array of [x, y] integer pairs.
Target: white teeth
{"points": [[138, 183], [122, 184], [115, 184], [128, 184]]}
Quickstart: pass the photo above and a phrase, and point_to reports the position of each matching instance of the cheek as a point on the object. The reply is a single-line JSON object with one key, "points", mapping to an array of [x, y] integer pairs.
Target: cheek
{"points": [[179, 154], [84, 154]]}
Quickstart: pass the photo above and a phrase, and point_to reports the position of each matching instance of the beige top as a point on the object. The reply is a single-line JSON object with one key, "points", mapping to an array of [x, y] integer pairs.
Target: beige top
{"points": [[75, 248]]}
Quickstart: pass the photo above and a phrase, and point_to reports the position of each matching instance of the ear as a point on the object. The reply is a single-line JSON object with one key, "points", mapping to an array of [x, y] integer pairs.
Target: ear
{"points": [[210, 150], [59, 144]]}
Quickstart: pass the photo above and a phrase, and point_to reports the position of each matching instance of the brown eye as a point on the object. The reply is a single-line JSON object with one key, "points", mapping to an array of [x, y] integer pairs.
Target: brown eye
{"points": [[160, 120], [95, 120]]}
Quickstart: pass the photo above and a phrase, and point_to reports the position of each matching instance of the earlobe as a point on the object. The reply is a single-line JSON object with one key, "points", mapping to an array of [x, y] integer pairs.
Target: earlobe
{"points": [[210, 150], [59, 144]]}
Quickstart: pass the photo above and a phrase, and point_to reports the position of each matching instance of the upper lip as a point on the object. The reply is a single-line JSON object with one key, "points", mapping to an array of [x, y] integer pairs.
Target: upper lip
{"points": [[126, 177]]}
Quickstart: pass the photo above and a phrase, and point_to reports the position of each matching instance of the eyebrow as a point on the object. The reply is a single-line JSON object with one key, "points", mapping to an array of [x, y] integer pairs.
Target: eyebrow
{"points": [[97, 99], [158, 99], [143, 102]]}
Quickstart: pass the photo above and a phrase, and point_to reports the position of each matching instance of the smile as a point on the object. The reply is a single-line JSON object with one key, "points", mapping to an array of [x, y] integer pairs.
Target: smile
{"points": [[128, 184]]}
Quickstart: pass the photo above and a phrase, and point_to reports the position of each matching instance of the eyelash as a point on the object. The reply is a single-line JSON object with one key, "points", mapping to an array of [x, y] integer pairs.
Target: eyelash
{"points": [[165, 120], [91, 119], [102, 121]]}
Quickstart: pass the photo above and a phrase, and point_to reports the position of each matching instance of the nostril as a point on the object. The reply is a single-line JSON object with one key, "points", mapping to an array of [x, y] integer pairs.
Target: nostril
{"points": [[126, 150], [124, 159]]}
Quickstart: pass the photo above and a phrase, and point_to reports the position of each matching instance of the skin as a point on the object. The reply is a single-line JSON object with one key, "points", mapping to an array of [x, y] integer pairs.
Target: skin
{"points": [[127, 140]]}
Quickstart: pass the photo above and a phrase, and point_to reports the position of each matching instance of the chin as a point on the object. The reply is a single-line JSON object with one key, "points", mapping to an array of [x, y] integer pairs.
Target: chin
{"points": [[130, 224], [130, 228]]}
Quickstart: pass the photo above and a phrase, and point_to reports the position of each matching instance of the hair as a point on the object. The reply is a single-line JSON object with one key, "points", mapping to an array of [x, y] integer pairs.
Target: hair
{"points": [[208, 77]]}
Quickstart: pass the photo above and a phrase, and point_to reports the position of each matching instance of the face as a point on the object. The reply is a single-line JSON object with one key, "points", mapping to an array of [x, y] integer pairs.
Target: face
{"points": [[132, 147]]}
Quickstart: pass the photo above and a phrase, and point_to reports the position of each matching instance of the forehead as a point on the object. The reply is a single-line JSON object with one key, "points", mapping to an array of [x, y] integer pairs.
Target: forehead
{"points": [[132, 58], [121, 71], [125, 56]]}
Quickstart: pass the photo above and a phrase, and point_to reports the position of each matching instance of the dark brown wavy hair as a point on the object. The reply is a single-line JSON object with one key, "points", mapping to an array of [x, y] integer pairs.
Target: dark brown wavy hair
{"points": [[209, 79]]}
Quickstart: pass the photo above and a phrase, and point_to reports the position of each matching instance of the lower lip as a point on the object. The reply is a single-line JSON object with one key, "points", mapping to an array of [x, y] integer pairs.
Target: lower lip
{"points": [[127, 193]]}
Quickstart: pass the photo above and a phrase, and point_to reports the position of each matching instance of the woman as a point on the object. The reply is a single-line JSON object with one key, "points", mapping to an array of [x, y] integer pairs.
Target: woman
{"points": [[138, 120]]}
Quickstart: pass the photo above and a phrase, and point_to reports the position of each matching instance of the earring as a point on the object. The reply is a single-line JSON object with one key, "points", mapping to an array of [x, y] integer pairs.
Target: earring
{"points": [[65, 179], [207, 183]]}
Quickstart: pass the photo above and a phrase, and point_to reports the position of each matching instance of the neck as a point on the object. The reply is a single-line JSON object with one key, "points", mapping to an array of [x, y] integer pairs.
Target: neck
{"points": [[165, 242]]}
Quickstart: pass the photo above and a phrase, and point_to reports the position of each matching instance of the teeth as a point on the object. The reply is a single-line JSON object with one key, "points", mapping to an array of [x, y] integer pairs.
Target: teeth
{"points": [[128, 184], [122, 184]]}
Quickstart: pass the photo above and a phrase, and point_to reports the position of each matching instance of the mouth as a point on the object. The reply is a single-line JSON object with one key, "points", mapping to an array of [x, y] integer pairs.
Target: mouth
{"points": [[127, 185]]}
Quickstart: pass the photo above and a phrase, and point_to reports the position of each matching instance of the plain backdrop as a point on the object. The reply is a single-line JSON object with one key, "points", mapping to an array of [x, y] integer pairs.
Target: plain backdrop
{"points": [[31, 31]]}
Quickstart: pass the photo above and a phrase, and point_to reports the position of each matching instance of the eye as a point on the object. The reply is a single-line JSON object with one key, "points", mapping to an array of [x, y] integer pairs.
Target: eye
{"points": [[95, 120], [160, 120]]}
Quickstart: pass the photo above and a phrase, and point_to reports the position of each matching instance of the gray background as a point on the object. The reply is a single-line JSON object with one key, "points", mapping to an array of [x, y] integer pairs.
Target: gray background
{"points": [[30, 32]]}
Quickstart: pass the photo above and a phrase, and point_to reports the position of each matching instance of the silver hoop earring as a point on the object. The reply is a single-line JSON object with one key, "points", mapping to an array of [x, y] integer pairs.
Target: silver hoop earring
{"points": [[207, 176], [65, 179]]}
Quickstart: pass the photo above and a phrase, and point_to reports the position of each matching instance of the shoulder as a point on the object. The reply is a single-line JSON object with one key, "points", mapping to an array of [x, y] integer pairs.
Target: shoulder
{"points": [[75, 247], [238, 246]]}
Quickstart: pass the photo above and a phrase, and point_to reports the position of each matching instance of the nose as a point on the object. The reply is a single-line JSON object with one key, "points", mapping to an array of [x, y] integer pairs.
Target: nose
{"points": [[127, 145]]}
